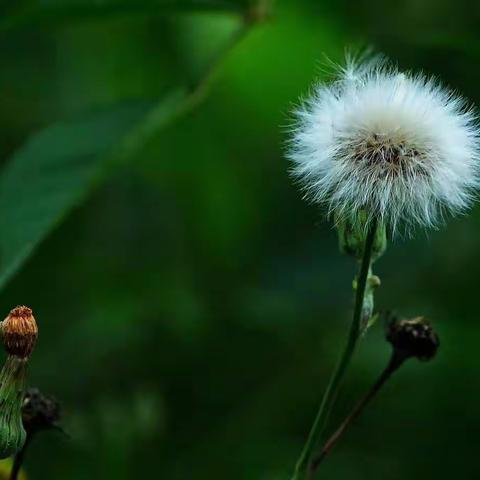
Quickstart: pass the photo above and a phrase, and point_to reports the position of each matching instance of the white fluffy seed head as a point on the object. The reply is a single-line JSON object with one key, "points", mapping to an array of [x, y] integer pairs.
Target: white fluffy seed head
{"points": [[396, 145]]}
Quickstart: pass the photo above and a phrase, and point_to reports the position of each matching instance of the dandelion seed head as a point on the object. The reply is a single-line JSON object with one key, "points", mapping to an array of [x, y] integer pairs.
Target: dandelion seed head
{"points": [[397, 145]]}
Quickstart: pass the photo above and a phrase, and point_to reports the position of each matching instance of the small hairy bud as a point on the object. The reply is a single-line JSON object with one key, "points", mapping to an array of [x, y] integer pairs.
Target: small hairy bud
{"points": [[12, 379], [39, 411], [19, 332], [413, 338]]}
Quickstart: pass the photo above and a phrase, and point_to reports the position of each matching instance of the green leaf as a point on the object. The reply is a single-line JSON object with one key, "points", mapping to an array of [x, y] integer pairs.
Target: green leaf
{"points": [[56, 168], [59, 11]]}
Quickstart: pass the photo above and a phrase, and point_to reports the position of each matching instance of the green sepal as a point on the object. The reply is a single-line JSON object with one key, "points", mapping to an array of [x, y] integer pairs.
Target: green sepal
{"points": [[370, 323], [12, 384], [368, 318], [352, 233]]}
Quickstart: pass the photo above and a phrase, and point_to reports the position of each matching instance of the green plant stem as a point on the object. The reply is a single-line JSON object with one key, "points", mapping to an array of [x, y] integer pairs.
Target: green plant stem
{"points": [[186, 99], [302, 466], [395, 362], [18, 459]]}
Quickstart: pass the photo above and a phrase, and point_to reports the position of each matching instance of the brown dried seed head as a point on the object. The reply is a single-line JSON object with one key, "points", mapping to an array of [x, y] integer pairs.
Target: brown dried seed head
{"points": [[413, 338], [20, 332]]}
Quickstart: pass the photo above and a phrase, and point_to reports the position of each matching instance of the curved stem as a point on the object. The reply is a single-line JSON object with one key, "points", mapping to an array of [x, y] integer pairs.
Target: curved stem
{"points": [[302, 466], [185, 100], [393, 365]]}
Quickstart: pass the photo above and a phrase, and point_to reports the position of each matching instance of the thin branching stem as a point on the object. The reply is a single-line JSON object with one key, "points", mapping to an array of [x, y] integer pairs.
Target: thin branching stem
{"points": [[302, 466], [395, 362], [186, 99]]}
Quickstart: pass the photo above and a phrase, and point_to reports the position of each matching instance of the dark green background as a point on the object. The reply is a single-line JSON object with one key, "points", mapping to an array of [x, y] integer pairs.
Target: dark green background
{"points": [[192, 308]]}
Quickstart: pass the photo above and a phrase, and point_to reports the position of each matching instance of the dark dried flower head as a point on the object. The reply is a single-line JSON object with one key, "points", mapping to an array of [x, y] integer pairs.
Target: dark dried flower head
{"points": [[413, 338], [20, 332], [39, 411]]}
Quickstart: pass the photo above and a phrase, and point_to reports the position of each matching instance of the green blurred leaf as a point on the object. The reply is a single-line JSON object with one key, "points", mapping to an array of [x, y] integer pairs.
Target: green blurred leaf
{"points": [[58, 11], [57, 167]]}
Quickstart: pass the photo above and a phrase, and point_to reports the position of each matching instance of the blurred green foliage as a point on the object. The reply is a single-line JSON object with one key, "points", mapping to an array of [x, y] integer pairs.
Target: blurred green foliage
{"points": [[192, 306]]}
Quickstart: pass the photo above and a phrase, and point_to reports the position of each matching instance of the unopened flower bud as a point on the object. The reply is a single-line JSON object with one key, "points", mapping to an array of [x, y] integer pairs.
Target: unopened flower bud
{"points": [[19, 332], [40, 412], [413, 338]]}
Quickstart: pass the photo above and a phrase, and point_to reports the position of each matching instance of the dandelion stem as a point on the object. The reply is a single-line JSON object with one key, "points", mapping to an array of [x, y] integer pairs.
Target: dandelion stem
{"points": [[302, 466], [395, 362]]}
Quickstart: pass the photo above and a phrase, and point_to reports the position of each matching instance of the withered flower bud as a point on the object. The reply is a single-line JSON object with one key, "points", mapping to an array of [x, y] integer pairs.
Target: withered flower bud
{"points": [[413, 338], [40, 412], [20, 332]]}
